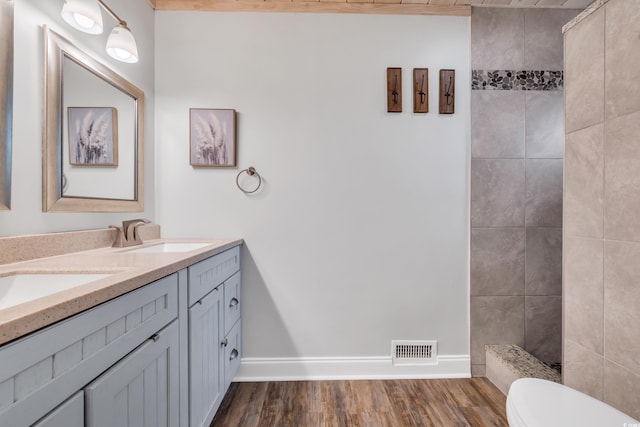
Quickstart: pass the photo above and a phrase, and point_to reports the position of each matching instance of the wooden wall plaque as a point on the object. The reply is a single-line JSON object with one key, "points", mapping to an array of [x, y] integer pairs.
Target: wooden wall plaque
{"points": [[420, 90], [394, 90], [447, 91]]}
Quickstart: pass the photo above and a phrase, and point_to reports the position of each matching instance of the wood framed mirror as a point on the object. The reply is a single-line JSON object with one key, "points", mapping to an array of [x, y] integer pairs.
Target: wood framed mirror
{"points": [[6, 101], [93, 149]]}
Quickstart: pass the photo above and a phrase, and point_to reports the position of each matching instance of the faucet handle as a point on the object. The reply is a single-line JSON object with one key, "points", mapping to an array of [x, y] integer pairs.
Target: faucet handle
{"points": [[129, 228]]}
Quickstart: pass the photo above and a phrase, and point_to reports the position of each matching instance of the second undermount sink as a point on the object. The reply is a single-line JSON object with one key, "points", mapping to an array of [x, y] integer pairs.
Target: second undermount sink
{"points": [[22, 287], [169, 247]]}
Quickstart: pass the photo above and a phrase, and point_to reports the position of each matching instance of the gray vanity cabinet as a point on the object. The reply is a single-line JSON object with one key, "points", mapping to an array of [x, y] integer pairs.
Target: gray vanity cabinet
{"points": [[214, 333], [146, 358], [43, 375]]}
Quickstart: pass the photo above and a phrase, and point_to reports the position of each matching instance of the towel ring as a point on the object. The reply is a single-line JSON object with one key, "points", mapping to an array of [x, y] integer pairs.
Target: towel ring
{"points": [[251, 171]]}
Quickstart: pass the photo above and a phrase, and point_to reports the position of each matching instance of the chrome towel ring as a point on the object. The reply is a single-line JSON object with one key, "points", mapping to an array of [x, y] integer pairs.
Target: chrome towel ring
{"points": [[251, 171]]}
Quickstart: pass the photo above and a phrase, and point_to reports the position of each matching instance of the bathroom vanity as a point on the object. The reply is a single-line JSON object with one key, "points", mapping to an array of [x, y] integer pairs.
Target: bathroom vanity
{"points": [[160, 354]]}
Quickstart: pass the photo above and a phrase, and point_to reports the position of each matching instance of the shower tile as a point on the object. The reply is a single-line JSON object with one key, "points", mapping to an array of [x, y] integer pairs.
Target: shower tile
{"points": [[543, 193], [543, 328], [584, 73], [543, 271], [497, 261], [582, 369], [544, 129], [621, 389], [543, 37], [622, 66], [478, 370], [497, 124], [622, 180], [497, 38], [495, 320], [584, 292], [497, 193], [584, 182], [621, 303]]}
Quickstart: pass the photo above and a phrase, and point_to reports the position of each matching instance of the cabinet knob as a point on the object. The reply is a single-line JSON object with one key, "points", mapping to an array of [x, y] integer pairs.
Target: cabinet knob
{"points": [[155, 337], [224, 343], [234, 302], [234, 354]]}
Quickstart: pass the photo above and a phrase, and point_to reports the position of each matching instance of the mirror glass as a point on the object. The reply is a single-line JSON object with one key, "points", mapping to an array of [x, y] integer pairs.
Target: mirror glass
{"points": [[6, 92], [93, 134]]}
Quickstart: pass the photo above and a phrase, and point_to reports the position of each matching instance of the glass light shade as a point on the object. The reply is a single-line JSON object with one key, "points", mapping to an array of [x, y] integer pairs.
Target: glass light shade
{"points": [[121, 45], [83, 15]]}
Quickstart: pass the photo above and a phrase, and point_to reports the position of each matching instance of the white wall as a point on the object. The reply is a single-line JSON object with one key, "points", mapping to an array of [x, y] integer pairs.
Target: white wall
{"points": [[359, 235], [26, 216]]}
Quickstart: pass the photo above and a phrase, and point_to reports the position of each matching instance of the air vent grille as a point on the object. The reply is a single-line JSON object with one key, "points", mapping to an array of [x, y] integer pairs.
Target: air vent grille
{"points": [[414, 352]]}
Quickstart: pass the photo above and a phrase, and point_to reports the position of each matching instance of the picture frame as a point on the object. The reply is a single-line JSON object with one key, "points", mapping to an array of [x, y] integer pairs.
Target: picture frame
{"points": [[93, 136], [212, 137]]}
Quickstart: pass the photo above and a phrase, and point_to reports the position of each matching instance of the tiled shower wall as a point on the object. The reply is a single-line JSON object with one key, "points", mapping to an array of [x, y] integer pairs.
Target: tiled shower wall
{"points": [[516, 180], [602, 205]]}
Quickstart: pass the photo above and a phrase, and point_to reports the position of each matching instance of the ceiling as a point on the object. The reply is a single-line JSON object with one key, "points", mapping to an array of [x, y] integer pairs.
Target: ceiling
{"points": [[408, 7]]}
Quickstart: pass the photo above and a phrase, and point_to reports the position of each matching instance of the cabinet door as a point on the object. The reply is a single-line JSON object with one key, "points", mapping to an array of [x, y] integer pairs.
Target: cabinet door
{"points": [[232, 353], [68, 414], [142, 389], [206, 376]]}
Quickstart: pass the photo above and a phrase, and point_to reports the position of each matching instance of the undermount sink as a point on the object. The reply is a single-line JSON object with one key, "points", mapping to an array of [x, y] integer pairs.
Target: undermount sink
{"points": [[169, 247], [18, 288]]}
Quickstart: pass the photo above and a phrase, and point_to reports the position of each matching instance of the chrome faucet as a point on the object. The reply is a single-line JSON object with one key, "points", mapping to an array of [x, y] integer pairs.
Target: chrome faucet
{"points": [[127, 234]]}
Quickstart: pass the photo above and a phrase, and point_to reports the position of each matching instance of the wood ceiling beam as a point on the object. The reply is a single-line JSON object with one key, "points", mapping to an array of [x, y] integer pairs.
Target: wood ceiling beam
{"points": [[312, 7]]}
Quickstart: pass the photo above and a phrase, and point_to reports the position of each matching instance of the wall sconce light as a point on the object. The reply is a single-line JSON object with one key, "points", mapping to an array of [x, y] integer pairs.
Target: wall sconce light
{"points": [[85, 15]]}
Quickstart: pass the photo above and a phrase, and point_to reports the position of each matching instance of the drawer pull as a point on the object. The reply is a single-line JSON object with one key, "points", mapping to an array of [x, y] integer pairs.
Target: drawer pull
{"points": [[155, 337], [224, 343], [234, 354], [234, 302]]}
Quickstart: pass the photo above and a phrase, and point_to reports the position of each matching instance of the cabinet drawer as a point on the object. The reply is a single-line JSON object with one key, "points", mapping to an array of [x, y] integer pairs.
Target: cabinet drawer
{"points": [[40, 371], [232, 353], [211, 272], [232, 301]]}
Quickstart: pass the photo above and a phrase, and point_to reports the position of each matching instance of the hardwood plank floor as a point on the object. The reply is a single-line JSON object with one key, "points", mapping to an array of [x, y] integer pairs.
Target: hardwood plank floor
{"points": [[399, 403]]}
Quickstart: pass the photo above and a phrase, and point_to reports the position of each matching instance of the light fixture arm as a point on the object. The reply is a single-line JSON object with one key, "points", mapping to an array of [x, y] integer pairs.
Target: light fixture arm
{"points": [[113, 14]]}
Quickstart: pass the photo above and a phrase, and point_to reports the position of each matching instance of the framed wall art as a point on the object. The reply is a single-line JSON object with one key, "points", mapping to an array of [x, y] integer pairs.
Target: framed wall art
{"points": [[93, 136], [212, 137]]}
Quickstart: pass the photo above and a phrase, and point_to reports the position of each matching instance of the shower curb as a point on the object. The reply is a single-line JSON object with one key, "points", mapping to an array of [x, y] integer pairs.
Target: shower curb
{"points": [[506, 363]]}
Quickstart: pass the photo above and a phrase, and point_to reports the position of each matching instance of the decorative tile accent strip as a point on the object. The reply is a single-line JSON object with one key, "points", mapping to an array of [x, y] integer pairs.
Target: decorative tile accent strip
{"points": [[516, 80]]}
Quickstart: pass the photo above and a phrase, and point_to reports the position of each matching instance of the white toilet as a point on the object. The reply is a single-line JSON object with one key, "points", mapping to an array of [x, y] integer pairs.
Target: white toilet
{"points": [[533, 402]]}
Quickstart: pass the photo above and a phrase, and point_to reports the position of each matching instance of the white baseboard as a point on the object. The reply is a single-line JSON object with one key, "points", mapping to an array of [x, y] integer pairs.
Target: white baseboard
{"points": [[348, 368]]}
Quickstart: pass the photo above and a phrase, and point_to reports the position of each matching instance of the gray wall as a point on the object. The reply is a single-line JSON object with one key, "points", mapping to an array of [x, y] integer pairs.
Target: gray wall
{"points": [[359, 235], [602, 201], [516, 180]]}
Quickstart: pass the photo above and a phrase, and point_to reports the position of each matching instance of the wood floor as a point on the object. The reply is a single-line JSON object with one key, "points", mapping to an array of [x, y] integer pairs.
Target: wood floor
{"points": [[397, 403]]}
